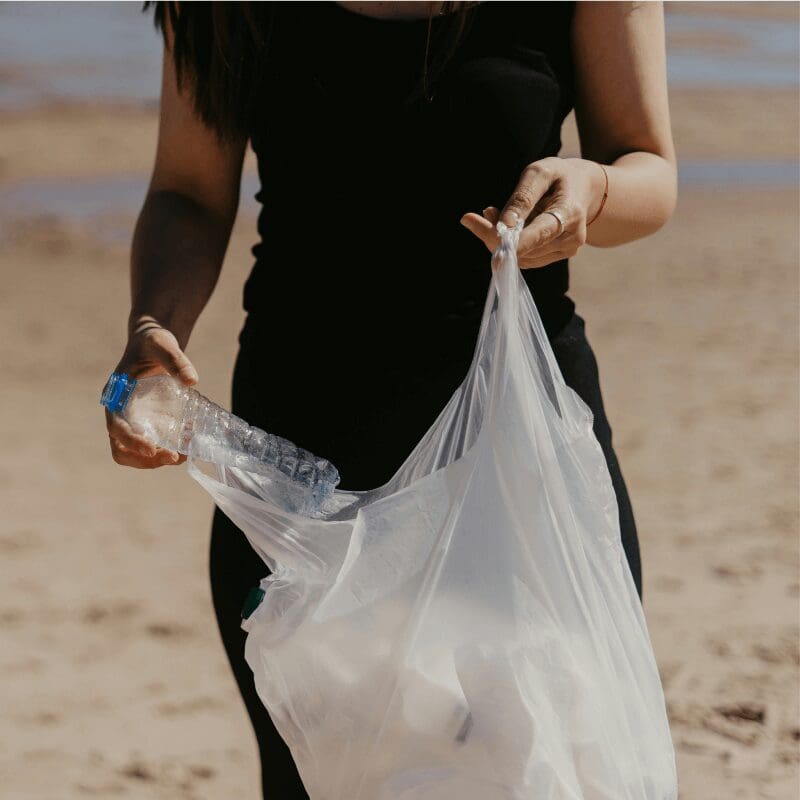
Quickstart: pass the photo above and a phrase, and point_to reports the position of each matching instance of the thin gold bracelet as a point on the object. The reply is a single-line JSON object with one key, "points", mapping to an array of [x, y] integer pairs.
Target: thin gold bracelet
{"points": [[603, 201]]}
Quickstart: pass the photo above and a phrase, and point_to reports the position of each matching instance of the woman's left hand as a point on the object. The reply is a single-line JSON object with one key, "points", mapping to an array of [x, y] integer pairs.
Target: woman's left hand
{"points": [[570, 188]]}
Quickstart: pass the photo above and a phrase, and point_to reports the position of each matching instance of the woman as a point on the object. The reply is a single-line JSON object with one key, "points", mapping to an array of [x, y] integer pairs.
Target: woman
{"points": [[376, 127]]}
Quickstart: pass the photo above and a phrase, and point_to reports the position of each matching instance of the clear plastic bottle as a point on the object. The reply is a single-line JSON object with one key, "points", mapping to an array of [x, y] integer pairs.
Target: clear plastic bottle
{"points": [[179, 418]]}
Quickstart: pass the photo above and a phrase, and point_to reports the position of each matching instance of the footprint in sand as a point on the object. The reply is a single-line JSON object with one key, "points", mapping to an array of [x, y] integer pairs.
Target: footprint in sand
{"points": [[741, 722], [202, 772], [39, 719], [782, 649], [138, 771], [174, 777], [736, 571], [191, 706], [11, 616], [110, 612], [19, 541], [169, 630]]}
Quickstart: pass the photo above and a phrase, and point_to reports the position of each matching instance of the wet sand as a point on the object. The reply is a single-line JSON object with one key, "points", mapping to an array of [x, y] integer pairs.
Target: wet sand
{"points": [[114, 683]]}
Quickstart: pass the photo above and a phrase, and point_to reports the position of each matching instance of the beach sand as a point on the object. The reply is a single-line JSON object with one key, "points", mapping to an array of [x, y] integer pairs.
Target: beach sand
{"points": [[114, 682]]}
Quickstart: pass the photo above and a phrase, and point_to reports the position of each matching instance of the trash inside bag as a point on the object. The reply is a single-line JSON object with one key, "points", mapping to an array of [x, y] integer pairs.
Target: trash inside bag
{"points": [[470, 630]]}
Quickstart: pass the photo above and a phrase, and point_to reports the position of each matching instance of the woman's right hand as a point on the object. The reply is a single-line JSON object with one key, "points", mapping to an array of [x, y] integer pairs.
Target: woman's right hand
{"points": [[151, 350]]}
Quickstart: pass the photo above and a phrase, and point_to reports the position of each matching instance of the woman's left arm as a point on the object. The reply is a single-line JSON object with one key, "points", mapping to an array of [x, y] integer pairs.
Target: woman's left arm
{"points": [[622, 112]]}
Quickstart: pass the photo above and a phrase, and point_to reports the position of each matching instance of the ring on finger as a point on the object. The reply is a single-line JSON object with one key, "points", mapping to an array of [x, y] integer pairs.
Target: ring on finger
{"points": [[559, 219]]}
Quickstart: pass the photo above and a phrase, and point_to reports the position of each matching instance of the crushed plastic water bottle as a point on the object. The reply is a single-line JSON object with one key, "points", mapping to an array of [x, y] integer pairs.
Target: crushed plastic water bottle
{"points": [[179, 418]]}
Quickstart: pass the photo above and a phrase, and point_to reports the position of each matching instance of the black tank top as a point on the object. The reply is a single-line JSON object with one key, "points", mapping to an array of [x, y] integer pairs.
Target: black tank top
{"points": [[362, 192]]}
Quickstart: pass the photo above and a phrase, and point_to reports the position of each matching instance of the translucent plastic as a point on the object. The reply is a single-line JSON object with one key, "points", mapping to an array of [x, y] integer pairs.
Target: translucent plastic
{"points": [[181, 419], [470, 630]]}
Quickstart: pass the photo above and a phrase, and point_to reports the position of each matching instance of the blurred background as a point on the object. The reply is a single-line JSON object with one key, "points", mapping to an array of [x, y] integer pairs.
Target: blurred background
{"points": [[112, 678]]}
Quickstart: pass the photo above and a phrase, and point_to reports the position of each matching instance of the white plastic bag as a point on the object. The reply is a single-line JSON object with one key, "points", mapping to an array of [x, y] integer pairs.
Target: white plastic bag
{"points": [[470, 630]]}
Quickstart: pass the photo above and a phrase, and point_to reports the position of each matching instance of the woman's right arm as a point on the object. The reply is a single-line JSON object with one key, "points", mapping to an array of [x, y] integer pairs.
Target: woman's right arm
{"points": [[178, 247]]}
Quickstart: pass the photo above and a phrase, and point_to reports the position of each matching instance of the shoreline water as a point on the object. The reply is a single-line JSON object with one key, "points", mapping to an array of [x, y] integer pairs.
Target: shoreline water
{"points": [[112, 50]]}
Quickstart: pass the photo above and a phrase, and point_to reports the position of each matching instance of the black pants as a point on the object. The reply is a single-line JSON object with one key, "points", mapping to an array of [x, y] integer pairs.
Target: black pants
{"points": [[402, 414]]}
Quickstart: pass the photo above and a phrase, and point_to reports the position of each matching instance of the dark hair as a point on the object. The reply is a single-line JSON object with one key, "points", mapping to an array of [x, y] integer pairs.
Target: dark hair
{"points": [[220, 51]]}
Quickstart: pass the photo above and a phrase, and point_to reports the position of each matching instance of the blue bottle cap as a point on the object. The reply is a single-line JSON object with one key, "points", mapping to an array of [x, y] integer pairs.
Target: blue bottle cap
{"points": [[116, 392]]}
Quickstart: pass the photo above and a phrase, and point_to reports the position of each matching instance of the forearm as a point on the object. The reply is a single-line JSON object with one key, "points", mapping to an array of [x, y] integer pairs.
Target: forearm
{"points": [[642, 192], [177, 254]]}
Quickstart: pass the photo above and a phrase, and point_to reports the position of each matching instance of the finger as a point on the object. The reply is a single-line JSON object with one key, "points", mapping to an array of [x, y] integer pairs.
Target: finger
{"points": [[542, 260], [119, 430], [130, 458], [543, 229], [483, 228], [161, 457], [534, 182], [166, 458], [174, 359], [180, 367]]}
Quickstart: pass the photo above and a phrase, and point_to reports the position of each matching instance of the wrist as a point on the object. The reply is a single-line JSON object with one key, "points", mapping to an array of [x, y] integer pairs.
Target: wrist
{"points": [[593, 180], [599, 191], [140, 321]]}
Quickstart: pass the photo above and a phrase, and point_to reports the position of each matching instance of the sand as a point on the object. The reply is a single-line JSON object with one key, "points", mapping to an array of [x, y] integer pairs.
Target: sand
{"points": [[113, 681]]}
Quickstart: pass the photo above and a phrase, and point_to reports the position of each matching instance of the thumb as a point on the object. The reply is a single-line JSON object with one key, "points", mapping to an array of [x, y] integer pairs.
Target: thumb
{"points": [[176, 363]]}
